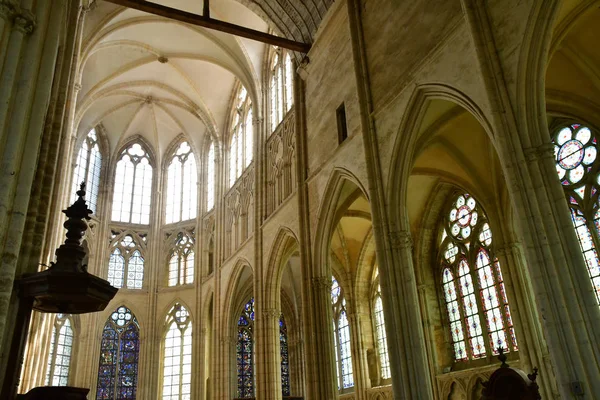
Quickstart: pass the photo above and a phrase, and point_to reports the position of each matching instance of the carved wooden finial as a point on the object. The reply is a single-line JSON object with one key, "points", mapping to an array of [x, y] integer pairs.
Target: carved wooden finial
{"points": [[502, 357]]}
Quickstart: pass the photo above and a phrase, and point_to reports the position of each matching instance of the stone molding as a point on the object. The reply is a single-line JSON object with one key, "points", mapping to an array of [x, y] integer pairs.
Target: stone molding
{"points": [[271, 312], [401, 240], [322, 283], [507, 248], [541, 152]]}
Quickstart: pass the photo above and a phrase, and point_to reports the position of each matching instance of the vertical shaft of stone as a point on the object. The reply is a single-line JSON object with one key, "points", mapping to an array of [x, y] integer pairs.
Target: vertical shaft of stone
{"points": [[360, 367], [408, 358], [36, 105], [524, 313], [268, 355], [323, 362]]}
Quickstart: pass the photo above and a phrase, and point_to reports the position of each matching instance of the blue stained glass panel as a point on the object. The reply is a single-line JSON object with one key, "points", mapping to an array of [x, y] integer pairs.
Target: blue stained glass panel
{"points": [[245, 356], [119, 354], [285, 359]]}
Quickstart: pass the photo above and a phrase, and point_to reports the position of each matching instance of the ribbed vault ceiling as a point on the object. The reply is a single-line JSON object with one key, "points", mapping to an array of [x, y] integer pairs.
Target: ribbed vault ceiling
{"points": [[145, 75], [158, 78]]}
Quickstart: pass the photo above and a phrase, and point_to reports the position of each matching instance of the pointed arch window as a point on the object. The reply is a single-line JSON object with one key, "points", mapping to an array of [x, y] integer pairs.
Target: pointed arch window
{"points": [[577, 165], [87, 169], [177, 370], [285, 358], [210, 178], [245, 352], [478, 312], [380, 333], [133, 186], [242, 136], [281, 85], [119, 354], [341, 337], [126, 264], [182, 187], [61, 347], [181, 262]]}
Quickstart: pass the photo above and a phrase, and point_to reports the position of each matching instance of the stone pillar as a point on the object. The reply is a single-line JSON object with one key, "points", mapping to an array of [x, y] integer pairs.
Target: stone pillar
{"points": [[359, 355], [267, 353], [533, 351], [321, 359], [403, 321], [25, 88]]}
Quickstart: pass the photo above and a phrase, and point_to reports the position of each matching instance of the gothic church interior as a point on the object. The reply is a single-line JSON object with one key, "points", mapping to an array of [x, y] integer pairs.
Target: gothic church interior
{"points": [[374, 218]]}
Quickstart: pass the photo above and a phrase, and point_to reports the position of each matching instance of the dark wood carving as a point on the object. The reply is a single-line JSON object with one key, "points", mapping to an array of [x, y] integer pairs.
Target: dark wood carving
{"points": [[508, 383], [55, 393]]}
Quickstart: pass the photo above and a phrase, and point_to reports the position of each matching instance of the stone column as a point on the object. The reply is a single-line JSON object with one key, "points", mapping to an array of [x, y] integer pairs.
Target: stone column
{"points": [[321, 359], [30, 59], [533, 351], [267, 353], [359, 353]]}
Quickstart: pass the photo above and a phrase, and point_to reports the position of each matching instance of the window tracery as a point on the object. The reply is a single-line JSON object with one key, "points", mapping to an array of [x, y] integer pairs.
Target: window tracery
{"points": [[87, 169], [126, 264], [210, 178], [61, 347], [182, 190], [341, 337], [242, 136], [181, 262], [577, 166], [472, 283], [119, 354], [245, 352], [281, 85], [133, 186], [380, 333], [177, 356]]}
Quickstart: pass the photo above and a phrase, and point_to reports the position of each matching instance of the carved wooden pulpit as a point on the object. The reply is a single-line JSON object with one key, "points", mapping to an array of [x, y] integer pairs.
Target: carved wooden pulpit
{"points": [[507, 383]]}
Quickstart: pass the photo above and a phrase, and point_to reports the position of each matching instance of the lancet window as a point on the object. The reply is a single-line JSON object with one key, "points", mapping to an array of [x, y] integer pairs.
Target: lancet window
{"points": [[87, 169], [380, 333], [577, 165], [133, 186], [341, 338], [210, 178], [471, 278], [245, 352], [119, 354], [182, 189], [242, 136], [181, 262], [282, 91], [177, 355], [285, 358], [61, 347], [126, 264]]}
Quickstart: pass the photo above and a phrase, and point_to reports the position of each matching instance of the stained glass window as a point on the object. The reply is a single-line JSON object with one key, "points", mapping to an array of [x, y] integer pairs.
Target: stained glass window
{"points": [[133, 186], [285, 358], [341, 333], [177, 370], [242, 136], [87, 169], [182, 189], [245, 352], [472, 284], [126, 264], [282, 91], [119, 354], [210, 178], [59, 357], [380, 334], [181, 262], [577, 166]]}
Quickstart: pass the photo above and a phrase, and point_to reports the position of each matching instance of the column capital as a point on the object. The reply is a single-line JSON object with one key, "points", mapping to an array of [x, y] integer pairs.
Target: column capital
{"points": [[24, 21], [507, 248], [401, 240], [77, 87], [322, 282], [7, 9], [543, 151], [271, 312]]}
